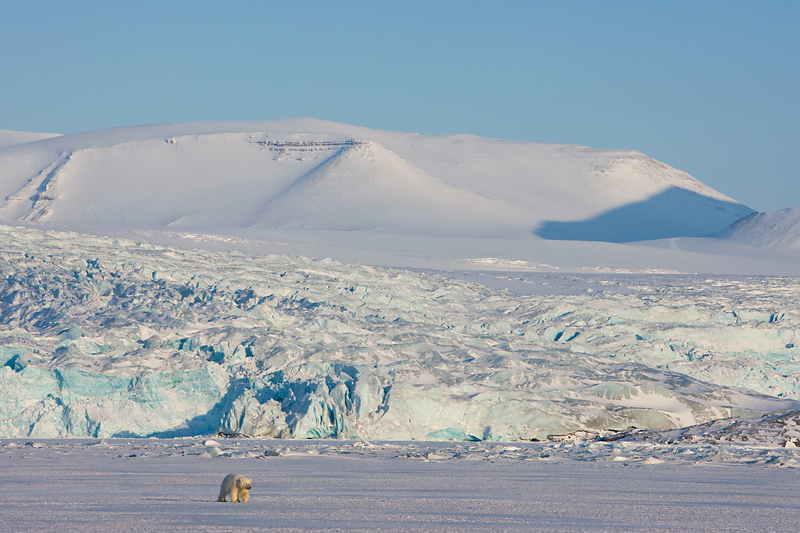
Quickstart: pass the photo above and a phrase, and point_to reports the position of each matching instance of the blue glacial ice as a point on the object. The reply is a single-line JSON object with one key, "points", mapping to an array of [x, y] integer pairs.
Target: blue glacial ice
{"points": [[103, 337]]}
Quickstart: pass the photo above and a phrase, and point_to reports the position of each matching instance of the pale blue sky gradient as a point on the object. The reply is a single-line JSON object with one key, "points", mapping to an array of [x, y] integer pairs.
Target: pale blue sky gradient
{"points": [[710, 87]]}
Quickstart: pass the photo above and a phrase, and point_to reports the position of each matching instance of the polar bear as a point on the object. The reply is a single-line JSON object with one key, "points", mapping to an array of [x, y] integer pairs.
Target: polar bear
{"points": [[234, 488]]}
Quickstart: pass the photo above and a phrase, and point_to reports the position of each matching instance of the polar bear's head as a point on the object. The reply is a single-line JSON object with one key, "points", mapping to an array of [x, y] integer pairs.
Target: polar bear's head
{"points": [[243, 483]]}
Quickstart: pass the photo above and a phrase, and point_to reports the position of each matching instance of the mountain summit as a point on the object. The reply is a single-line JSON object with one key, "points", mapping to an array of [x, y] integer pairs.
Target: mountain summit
{"points": [[316, 175]]}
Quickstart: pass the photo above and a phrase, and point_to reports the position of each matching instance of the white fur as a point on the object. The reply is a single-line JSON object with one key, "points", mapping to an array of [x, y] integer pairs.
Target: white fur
{"points": [[234, 489]]}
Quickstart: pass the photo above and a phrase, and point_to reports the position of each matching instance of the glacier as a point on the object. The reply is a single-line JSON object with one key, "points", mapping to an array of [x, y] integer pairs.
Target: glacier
{"points": [[104, 337]]}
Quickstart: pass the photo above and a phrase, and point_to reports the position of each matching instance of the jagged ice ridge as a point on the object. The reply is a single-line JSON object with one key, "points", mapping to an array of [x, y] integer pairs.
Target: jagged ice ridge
{"points": [[104, 337]]}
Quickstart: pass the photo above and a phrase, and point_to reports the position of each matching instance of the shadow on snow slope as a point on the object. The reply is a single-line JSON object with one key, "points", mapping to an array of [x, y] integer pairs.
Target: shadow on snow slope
{"points": [[674, 212]]}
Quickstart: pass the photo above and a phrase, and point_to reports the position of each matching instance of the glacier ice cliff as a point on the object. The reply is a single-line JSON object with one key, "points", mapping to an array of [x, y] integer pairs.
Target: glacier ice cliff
{"points": [[102, 337]]}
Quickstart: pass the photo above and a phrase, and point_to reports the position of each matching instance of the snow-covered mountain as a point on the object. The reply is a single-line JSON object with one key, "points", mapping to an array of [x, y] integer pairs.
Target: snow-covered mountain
{"points": [[316, 175], [773, 229]]}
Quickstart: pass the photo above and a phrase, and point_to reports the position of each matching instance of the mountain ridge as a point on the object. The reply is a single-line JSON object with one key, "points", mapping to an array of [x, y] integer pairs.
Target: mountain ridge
{"points": [[772, 229], [218, 175]]}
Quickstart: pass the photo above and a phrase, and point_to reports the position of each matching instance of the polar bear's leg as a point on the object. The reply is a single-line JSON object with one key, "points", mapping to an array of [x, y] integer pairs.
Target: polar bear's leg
{"points": [[244, 496]]}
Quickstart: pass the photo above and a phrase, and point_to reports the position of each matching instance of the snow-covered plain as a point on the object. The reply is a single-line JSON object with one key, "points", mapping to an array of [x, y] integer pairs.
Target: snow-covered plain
{"points": [[522, 304], [171, 485]]}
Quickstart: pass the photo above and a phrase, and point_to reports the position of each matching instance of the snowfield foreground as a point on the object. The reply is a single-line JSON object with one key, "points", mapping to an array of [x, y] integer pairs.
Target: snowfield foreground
{"points": [[110, 338], [172, 485]]}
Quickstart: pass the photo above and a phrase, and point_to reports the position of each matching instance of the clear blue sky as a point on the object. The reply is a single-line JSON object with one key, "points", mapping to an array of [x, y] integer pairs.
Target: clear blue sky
{"points": [[710, 87]]}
